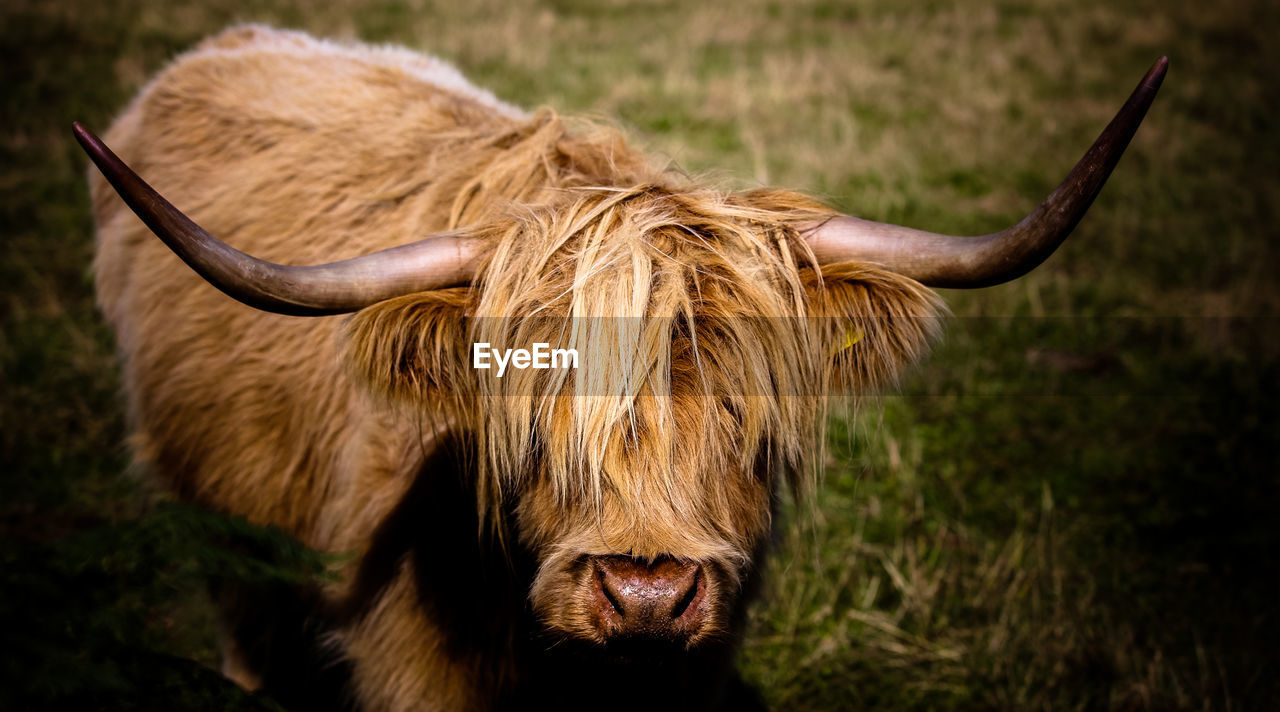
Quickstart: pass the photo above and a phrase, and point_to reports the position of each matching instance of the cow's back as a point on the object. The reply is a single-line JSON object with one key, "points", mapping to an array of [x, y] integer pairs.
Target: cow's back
{"points": [[297, 151]]}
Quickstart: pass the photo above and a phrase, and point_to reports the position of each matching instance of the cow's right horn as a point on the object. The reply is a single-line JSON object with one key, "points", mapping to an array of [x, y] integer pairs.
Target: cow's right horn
{"points": [[962, 262], [338, 287]]}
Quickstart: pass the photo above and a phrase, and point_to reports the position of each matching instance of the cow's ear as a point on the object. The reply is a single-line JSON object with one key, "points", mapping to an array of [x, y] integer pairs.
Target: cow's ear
{"points": [[410, 346], [871, 323]]}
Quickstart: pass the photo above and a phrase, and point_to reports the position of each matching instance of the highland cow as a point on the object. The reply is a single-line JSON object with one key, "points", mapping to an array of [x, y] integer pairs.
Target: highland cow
{"points": [[587, 537]]}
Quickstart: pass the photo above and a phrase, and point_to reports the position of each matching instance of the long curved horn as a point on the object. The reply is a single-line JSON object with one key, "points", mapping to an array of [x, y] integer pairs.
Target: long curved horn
{"points": [[965, 262], [335, 288]]}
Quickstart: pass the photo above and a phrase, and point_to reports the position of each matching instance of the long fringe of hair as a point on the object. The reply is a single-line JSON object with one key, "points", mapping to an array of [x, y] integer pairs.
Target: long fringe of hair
{"points": [[709, 337]]}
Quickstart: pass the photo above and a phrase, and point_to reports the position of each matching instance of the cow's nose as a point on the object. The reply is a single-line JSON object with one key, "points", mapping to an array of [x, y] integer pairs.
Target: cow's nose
{"points": [[632, 598]]}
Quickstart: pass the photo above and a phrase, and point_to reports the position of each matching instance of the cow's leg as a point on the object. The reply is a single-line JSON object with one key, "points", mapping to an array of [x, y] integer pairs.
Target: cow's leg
{"points": [[275, 641], [235, 666]]}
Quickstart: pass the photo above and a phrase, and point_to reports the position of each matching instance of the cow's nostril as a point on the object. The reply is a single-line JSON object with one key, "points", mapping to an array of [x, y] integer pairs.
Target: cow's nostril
{"points": [[636, 598], [609, 596], [682, 605]]}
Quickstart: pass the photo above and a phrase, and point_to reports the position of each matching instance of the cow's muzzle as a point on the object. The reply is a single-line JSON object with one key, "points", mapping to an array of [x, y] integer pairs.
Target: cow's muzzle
{"points": [[635, 600]]}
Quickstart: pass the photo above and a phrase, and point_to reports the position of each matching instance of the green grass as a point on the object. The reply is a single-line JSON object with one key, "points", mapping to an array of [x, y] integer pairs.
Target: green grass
{"points": [[1068, 508]]}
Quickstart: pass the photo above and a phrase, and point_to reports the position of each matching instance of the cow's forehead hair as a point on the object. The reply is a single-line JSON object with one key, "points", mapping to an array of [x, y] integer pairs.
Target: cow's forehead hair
{"points": [[632, 277]]}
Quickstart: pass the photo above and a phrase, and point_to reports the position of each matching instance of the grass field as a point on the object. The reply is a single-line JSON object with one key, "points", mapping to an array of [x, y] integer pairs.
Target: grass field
{"points": [[1071, 506]]}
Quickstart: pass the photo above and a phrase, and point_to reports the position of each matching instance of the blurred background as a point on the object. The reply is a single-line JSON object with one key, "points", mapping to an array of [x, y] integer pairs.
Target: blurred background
{"points": [[1073, 505]]}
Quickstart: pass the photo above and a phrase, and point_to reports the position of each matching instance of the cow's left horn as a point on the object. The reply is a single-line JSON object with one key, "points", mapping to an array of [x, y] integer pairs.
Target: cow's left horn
{"points": [[433, 263], [950, 261]]}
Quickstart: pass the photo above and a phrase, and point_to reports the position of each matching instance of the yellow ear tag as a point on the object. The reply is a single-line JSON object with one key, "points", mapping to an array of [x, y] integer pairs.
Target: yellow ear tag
{"points": [[852, 335]]}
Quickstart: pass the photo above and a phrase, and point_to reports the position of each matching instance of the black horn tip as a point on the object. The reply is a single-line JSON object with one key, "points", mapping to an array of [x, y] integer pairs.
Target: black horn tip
{"points": [[1155, 75], [91, 144], [82, 134]]}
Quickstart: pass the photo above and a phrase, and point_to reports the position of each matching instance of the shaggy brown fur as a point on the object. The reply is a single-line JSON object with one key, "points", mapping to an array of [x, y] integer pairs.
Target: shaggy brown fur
{"points": [[711, 341]]}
